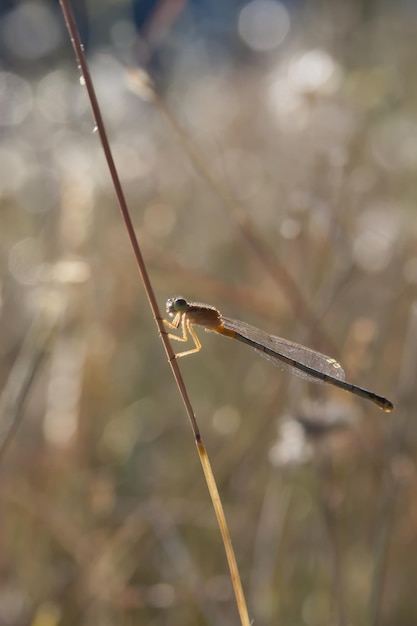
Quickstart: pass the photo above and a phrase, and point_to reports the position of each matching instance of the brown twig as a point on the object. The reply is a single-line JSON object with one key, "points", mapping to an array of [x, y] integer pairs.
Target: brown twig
{"points": [[85, 73]]}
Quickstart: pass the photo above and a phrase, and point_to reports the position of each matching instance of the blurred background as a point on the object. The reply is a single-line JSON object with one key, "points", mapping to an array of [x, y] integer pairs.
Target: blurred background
{"points": [[274, 177]]}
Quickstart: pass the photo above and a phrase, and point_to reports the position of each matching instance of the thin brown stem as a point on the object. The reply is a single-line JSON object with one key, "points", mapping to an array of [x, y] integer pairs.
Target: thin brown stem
{"points": [[85, 73]]}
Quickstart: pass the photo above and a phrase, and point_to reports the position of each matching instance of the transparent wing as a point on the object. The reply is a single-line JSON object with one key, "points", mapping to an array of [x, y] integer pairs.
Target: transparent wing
{"points": [[316, 360]]}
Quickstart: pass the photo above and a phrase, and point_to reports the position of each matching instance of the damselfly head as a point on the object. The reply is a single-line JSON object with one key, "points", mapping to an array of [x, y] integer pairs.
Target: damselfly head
{"points": [[176, 305]]}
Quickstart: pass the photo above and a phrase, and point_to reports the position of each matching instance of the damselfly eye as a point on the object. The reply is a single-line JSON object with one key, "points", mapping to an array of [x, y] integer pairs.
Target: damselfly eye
{"points": [[174, 305], [180, 304]]}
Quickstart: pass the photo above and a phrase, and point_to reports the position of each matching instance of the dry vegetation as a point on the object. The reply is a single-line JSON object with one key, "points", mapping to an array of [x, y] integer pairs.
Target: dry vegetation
{"points": [[105, 515]]}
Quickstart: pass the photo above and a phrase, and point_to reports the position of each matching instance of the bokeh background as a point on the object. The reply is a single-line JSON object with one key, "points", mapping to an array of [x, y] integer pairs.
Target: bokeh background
{"points": [[274, 177]]}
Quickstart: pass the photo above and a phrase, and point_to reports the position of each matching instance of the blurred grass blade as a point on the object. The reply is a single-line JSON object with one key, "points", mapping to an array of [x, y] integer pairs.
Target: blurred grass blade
{"points": [[34, 350]]}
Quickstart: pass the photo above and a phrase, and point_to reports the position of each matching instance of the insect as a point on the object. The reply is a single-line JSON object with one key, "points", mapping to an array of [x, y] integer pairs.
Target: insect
{"points": [[300, 360]]}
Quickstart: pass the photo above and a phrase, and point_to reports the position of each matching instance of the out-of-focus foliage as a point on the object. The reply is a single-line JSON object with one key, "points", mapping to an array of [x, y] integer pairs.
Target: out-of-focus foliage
{"points": [[309, 117]]}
